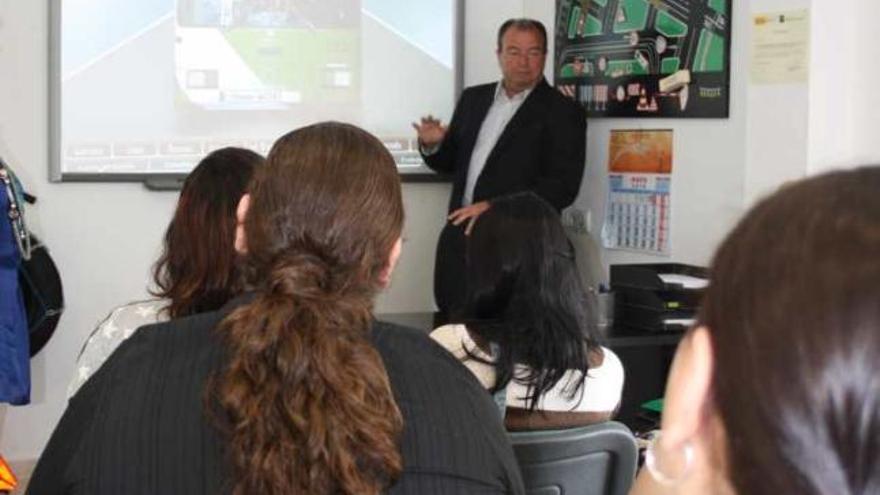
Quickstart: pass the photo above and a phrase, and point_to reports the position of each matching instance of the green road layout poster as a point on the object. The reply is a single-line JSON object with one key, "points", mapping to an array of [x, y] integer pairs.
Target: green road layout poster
{"points": [[645, 58]]}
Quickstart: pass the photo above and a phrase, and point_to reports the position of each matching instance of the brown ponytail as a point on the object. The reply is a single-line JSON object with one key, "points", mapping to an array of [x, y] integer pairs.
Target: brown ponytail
{"points": [[305, 400]]}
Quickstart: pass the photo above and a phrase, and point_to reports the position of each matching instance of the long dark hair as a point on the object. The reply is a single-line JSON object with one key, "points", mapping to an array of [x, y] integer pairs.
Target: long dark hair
{"points": [[524, 293], [305, 399], [793, 311], [197, 270]]}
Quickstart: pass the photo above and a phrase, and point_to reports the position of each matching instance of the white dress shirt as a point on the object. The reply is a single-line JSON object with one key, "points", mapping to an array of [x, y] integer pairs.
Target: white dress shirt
{"points": [[502, 110]]}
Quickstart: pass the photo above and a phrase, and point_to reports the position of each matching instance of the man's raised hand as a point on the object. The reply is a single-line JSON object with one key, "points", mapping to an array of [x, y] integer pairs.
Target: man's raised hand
{"points": [[430, 130]]}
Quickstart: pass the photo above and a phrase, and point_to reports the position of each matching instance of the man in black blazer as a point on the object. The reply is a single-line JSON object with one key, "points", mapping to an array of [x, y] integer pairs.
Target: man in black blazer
{"points": [[515, 135]]}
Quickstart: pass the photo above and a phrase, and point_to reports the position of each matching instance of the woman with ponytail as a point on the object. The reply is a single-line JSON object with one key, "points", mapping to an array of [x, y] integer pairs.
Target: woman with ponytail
{"points": [[525, 330], [292, 388]]}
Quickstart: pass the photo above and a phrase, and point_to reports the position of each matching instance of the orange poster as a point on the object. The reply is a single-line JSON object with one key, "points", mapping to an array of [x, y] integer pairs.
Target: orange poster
{"points": [[640, 151]]}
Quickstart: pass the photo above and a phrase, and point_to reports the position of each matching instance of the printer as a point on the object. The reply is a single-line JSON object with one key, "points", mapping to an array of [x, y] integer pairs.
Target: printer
{"points": [[657, 297]]}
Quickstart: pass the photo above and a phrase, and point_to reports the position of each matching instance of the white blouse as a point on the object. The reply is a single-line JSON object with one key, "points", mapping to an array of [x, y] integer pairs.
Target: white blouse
{"points": [[601, 391]]}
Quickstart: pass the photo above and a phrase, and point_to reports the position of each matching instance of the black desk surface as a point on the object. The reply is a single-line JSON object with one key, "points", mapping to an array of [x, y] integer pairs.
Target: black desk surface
{"points": [[646, 359]]}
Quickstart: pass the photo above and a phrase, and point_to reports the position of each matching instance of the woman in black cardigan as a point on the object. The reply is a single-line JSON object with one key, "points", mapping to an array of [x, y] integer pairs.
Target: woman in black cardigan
{"points": [[291, 388]]}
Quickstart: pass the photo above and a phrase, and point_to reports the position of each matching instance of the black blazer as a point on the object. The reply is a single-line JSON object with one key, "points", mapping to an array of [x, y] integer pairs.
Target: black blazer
{"points": [[138, 426], [542, 149]]}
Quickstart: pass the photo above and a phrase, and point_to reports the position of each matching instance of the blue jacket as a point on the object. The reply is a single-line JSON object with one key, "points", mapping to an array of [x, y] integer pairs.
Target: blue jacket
{"points": [[15, 380]]}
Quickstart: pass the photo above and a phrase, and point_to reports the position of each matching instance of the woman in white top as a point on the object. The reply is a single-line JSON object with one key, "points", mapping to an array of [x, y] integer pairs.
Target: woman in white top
{"points": [[197, 270], [524, 329]]}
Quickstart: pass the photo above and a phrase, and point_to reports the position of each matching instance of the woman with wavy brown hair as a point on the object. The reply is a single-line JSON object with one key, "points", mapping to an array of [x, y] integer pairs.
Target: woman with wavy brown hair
{"points": [[300, 343], [198, 268], [291, 388]]}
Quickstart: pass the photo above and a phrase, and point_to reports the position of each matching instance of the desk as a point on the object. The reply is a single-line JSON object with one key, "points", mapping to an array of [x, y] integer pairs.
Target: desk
{"points": [[646, 359]]}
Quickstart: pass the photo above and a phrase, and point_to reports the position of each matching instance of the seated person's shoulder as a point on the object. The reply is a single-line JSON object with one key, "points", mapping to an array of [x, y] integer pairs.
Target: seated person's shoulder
{"points": [[457, 341], [186, 349], [155, 345], [122, 322], [114, 329], [187, 327], [453, 438], [426, 377], [191, 330], [610, 371], [148, 311], [450, 336], [402, 346]]}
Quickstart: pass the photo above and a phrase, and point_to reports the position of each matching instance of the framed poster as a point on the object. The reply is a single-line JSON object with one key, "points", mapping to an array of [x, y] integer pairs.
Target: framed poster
{"points": [[645, 58]]}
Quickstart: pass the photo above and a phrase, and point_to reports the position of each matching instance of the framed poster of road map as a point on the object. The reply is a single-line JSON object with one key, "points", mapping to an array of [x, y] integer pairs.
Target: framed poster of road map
{"points": [[645, 58]]}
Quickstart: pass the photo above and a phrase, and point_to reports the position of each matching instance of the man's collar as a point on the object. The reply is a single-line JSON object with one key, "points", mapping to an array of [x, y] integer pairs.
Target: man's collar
{"points": [[522, 95]]}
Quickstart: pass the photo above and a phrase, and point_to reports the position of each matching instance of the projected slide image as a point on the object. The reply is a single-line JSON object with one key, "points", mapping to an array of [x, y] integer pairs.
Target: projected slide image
{"points": [[156, 86], [267, 54]]}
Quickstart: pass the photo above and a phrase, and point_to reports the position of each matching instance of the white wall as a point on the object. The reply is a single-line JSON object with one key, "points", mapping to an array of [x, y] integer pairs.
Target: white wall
{"points": [[831, 124], [778, 121], [831, 121], [865, 95], [843, 95]]}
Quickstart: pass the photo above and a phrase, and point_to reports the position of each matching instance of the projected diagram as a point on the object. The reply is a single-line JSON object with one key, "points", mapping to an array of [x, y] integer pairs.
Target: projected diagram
{"points": [[644, 58], [246, 54], [152, 88]]}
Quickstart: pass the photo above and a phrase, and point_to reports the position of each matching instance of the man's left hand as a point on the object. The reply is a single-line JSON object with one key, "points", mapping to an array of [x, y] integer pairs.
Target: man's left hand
{"points": [[468, 214]]}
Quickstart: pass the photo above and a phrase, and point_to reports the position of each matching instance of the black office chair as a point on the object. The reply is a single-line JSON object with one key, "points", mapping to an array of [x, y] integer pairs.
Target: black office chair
{"points": [[599, 459]]}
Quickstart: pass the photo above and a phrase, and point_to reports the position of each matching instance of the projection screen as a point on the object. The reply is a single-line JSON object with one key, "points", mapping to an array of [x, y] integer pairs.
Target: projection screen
{"points": [[141, 90]]}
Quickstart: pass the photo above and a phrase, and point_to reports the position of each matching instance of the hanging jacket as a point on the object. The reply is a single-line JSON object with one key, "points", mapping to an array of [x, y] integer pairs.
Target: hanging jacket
{"points": [[15, 381]]}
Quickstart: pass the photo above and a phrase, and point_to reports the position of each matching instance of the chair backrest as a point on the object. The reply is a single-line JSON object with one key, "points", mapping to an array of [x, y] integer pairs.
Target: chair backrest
{"points": [[599, 459]]}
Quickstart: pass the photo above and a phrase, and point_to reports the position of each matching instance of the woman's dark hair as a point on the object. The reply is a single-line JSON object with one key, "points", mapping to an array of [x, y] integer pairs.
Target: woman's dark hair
{"points": [[197, 270], [793, 311], [305, 400], [524, 293]]}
